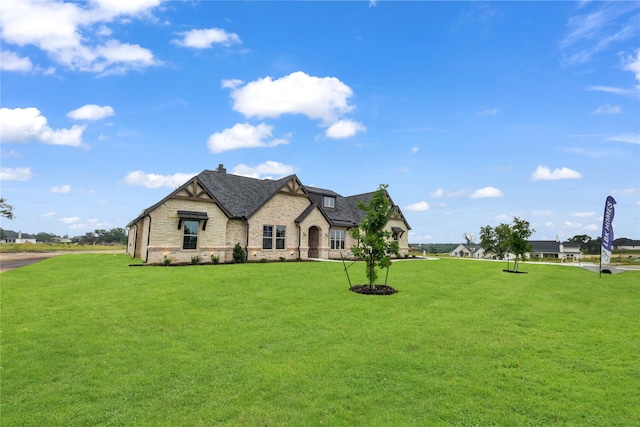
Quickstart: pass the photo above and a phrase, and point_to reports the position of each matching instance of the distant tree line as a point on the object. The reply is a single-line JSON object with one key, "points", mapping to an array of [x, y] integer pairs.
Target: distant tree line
{"points": [[114, 236], [433, 248]]}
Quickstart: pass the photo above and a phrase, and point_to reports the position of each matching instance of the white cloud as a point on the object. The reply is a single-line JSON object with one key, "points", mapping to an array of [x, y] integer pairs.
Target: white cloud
{"points": [[488, 112], [24, 124], [344, 129], [70, 220], [204, 39], [63, 189], [631, 138], [15, 174], [543, 173], [243, 135], [47, 215], [418, 207], [440, 192], [414, 150], [583, 214], [486, 192], [633, 65], [91, 112], [318, 98], [10, 61], [608, 109], [268, 169], [542, 213], [70, 33], [152, 180], [625, 191], [591, 227]]}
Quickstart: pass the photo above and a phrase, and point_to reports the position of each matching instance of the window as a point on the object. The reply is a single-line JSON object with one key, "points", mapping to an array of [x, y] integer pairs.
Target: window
{"points": [[337, 239], [190, 239], [281, 231], [329, 202], [267, 237]]}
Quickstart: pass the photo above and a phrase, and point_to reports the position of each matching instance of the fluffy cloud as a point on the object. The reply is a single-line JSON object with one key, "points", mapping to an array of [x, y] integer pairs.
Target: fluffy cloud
{"points": [[633, 65], [15, 174], [63, 189], [268, 169], [204, 39], [543, 173], [91, 112], [344, 129], [70, 220], [418, 207], [486, 192], [542, 213], [318, 98], [243, 135], [10, 61], [152, 180], [441, 192], [25, 124], [69, 32]]}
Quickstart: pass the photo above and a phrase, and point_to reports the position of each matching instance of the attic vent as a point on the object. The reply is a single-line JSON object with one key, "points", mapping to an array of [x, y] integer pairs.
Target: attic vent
{"points": [[221, 168]]}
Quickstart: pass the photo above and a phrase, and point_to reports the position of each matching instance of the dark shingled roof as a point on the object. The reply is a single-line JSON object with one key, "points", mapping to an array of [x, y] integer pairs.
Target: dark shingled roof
{"points": [[240, 197]]}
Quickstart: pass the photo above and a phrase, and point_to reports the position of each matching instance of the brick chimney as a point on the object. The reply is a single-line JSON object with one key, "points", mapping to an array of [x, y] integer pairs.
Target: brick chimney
{"points": [[221, 169]]}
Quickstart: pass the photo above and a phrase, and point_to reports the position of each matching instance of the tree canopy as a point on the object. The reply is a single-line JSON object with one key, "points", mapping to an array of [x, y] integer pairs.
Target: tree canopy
{"points": [[505, 239]]}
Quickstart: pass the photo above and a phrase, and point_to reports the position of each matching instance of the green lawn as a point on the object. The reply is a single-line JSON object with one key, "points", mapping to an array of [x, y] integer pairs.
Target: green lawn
{"points": [[88, 340]]}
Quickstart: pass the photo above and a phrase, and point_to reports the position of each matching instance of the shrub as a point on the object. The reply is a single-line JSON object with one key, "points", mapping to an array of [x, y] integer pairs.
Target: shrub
{"points": [[238, 254], [195, 259], [282, 259], [215, 259], [167, 261], [263, 260]]}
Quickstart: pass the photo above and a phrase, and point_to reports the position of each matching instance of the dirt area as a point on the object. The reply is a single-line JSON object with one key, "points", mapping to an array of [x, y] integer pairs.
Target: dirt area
{"points": [[12, 260]]}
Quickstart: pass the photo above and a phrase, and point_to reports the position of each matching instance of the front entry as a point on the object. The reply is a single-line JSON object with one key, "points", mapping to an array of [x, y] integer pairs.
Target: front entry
{"points": [[314, 242]]}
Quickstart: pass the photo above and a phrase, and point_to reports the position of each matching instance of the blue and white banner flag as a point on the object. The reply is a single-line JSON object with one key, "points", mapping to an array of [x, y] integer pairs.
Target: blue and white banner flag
{"points": [[607, 231]]}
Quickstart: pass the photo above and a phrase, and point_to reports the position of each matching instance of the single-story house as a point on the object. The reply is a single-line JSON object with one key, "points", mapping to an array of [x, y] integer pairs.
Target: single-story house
{"points": [[626, 244], [270, 219], [555, 249], [466, 250], [11, 236]]}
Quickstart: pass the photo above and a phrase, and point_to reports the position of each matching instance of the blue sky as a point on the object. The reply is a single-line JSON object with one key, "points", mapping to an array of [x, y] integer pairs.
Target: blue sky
{"points": [[471, 112]]}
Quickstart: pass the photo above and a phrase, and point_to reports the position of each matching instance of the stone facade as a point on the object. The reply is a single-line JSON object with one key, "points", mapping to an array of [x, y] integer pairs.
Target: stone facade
{"points": [[158, 233]]}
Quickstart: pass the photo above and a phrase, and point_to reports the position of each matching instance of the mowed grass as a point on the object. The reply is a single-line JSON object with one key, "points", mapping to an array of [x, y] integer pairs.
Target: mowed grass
{"points": [[88, 340]]}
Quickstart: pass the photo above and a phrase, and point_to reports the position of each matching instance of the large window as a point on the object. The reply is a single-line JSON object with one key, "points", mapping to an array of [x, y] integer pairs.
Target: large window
{"points": [[337, 239], [268, 236], [190, 239], [281, 232]]}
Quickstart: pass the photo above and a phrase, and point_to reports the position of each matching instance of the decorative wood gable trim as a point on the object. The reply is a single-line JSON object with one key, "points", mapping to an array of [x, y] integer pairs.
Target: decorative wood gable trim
{"points": [[293, 188], [193, 191]]}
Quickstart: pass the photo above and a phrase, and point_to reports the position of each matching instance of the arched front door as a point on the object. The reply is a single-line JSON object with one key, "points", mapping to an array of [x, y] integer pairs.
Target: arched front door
{"points": [[314, 242]]}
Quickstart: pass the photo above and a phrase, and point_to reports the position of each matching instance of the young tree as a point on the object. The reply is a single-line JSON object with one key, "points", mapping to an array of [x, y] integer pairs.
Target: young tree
{"points": [[518, 241], [374, 244], [505, 239]]}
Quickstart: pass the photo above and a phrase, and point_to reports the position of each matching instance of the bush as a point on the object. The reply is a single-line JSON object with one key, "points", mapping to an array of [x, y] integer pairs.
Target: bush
{"points": [[238, 254], [263, 260], [195, 260], [282, 259], [215, 259], [167, 261]]}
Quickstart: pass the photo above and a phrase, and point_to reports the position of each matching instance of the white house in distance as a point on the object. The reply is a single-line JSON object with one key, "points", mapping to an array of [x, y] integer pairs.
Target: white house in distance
{"points": [[270, 219], [625, 244], [11, 236], [540, 249]]}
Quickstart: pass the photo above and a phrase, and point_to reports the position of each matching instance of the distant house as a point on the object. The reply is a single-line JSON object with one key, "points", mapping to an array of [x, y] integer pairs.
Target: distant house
{"points": [[555, 249], [540, 249], [11, 236], [270, 219], [626, 244], [466, 250]]}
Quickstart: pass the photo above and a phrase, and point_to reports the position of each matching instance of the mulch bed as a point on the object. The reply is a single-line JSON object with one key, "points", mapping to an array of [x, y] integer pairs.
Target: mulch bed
{"points": [[376, 290]]}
